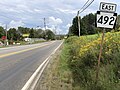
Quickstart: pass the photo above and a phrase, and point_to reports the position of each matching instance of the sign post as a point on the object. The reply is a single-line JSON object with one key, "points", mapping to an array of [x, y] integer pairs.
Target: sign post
{"points": [[106, 18], [100, 54]]}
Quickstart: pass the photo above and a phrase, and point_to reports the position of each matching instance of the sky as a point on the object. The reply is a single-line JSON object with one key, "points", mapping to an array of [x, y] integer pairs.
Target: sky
{"points": [[58, 14]]}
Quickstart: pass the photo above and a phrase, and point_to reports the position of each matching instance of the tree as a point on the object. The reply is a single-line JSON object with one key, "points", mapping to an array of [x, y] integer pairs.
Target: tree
{"points": [[32, 33], [74, 28], [24, 30], [39, 33], [50, 35], [117, 28], [13, 34], [2, 31], [70, 33], [87, 25]]}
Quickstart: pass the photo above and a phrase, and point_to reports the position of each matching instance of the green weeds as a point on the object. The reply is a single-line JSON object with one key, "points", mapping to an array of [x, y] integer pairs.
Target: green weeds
{"points": [[80, 55]]}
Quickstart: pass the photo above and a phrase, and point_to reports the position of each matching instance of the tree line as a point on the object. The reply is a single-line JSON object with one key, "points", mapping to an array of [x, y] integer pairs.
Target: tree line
{"points": [[17, 34], [87, 25]]}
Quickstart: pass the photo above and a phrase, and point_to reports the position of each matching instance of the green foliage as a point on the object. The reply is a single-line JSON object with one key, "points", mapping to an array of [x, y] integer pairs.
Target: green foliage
{"points": [[74, 28], [50, 35], [40, 33], [32, 33], [24, 30], [2, 32], [118, 23], [13, 34], [83, 55], [16, 35], [87, 25], [60, 37]]}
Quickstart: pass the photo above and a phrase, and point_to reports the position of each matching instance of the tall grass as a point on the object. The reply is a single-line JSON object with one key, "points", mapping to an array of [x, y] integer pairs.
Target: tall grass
{"points": [[82, 55]]}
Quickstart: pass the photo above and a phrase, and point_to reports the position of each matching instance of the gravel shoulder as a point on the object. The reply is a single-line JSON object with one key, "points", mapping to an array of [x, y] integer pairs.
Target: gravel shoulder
{"points": [[53, 78]]}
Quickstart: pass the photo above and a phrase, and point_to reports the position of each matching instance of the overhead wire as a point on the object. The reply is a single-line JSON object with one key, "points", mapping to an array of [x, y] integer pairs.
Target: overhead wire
{"points": [[86, 5]]}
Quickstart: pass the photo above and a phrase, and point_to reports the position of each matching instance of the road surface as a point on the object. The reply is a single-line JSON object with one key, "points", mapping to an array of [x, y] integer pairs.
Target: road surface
{"points": [[18, 63]]}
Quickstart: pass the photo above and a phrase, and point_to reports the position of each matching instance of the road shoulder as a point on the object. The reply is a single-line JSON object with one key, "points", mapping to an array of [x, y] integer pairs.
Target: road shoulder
{"points": [[52, 78]]}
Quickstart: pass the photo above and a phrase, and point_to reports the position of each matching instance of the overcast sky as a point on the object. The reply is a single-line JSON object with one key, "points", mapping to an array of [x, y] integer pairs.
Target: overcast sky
{"points": [[58, 13]]}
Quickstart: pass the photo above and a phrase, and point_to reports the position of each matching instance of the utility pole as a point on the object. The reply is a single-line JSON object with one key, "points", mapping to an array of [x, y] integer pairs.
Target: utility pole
{"points": [[78, 23], [85, 6], [45, 26], [44, 23], [6, 34], [55, 30]]}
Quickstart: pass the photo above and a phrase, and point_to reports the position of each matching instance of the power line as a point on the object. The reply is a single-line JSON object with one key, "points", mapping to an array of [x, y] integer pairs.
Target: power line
{"points": [[87, 6], [84, 5]]}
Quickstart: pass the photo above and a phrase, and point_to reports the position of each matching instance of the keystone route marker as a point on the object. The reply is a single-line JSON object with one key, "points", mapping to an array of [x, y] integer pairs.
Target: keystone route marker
{"points": [[106, 17]]}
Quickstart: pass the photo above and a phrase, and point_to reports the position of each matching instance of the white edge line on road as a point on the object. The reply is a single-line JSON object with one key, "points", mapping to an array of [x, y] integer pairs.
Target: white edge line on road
{"points": [[44, 64]]}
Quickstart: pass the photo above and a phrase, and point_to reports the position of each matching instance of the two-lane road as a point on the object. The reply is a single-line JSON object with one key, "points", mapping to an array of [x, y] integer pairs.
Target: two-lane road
{"points": [[17, 64]]}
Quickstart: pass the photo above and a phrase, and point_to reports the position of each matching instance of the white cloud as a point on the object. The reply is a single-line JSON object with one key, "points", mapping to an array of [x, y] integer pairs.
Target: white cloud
{"points": [[50, 28], [55, 21], [68, 25], [66, 11], [54, 24], [59, 21], [3, 25], [38, 10], [15, 24], [32, 11]]}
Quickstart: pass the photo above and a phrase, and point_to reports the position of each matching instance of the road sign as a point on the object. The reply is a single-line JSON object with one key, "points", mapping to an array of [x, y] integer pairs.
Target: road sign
{"points": [[107, 7], [106, 19], [3, 37], [25, 35]]}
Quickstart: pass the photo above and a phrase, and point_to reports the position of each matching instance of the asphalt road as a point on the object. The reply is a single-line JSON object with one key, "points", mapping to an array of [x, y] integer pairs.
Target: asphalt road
{"points": [[18, 63]]}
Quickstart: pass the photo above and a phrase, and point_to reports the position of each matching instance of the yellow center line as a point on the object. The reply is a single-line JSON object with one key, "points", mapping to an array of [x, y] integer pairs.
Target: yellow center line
{"points": [[12, 53]]}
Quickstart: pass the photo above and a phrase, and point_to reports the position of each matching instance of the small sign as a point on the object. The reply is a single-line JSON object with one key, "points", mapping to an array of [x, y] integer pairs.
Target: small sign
{"points": [[106, 20], [107, 7], [25, 35], [4, 38]]}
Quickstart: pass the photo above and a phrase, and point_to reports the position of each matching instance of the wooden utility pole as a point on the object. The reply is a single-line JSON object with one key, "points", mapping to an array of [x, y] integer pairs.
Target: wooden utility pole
{"points": [[78, 23], [6, 34], [44, 23], [45, 26]]}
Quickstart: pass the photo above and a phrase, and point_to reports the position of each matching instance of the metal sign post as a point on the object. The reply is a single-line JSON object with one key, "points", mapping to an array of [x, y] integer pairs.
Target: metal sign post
{"points": [[106, 18]]}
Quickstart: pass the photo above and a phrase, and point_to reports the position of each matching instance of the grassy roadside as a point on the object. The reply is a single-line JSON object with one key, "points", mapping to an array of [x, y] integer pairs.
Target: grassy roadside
{"points": [[57, 75], [83, 55]]}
